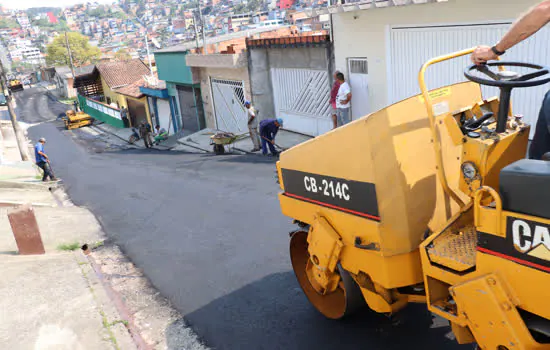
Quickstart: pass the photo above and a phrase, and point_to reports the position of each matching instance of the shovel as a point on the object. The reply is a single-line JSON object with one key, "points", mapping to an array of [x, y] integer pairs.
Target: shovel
{"points": [[51, 170], [273, 143]]}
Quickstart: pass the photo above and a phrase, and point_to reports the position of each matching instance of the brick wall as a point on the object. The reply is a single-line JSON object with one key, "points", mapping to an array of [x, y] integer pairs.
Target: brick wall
{"points": [[239, 44]]}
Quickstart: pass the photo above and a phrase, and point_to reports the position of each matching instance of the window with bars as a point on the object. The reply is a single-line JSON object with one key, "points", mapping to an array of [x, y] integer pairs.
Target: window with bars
{"points": [[358, 66]]}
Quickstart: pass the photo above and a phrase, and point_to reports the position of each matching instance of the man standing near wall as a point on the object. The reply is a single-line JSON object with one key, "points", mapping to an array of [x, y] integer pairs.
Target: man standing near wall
{"points": [[343, 100], [43, 161], [253, 126], [333, 94], [124, 116], [145, 134]]}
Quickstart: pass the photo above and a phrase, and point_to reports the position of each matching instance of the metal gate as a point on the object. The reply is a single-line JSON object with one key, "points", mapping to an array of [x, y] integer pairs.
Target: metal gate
{"points": [[302, 98], [188, 108], [359, 81], [412, 46], [228, 98]]}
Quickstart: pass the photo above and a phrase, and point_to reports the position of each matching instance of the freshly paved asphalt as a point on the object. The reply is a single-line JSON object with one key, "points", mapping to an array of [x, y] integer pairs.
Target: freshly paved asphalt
{"points": [[208, 232]]}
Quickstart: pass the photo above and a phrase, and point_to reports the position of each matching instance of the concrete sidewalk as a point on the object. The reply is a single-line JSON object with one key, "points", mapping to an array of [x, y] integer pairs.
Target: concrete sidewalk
{"points": [[51, 301], [185, 141], [123, 135], [9, 151], [65, 299], [201, 141], [56, 302]]}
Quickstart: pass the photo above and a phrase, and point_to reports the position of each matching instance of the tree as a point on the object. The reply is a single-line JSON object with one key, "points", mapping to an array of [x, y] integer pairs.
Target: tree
{"points": [[8, 23], [122, 55], [21, 66], [99, 12], [61, 26], [120, 15], [43, 23], [83, 53]]}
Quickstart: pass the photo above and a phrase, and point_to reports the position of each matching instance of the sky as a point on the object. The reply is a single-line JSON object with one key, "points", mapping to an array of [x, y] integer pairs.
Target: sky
{"points": [[24, 4]]}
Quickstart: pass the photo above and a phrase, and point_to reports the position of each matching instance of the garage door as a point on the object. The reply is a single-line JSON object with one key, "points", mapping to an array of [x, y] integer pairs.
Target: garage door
{"points": [[188, 108], [412, 46], [301, 98]]}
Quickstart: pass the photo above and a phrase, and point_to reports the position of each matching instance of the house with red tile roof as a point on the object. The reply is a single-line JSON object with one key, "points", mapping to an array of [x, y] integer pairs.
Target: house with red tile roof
{"points": [[115, 85]]}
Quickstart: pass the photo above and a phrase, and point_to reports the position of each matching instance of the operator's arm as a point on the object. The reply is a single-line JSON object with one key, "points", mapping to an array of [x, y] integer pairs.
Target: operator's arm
{"points": [[527, 25]]}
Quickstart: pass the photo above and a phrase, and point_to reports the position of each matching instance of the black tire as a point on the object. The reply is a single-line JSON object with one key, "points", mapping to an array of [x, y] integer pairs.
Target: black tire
{"points": [[219, 149], [132, 140]]}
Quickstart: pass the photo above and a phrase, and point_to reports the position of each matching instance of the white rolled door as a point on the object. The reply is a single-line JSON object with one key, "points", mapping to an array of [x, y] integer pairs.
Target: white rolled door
{"points": [[412, 46]]}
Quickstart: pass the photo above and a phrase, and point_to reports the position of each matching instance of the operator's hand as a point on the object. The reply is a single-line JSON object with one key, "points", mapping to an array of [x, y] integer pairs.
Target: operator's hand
{"points": [[482, 54]]}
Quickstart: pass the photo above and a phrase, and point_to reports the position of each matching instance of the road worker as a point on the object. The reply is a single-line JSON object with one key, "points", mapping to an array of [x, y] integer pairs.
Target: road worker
{"points": [[268, 131]]}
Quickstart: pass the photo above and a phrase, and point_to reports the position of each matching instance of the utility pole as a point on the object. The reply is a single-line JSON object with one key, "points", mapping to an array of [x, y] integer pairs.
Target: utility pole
{"points": [[196, 32], [204, 50], [148, 54], [330, 21], [23, 151], [70, 54], [144, 24]]}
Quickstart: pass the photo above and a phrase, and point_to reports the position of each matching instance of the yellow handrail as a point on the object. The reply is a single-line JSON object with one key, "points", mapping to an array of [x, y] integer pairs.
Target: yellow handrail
{"points": [[477, 205], [431, 117]]}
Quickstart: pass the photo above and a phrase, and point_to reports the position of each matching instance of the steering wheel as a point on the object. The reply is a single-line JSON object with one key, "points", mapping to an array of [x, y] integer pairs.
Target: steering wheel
{"points": [[506, 81]]}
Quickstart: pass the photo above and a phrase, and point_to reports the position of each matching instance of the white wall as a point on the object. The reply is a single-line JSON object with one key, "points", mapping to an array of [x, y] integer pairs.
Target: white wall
{"points": [[164, 115], [365, 33]]}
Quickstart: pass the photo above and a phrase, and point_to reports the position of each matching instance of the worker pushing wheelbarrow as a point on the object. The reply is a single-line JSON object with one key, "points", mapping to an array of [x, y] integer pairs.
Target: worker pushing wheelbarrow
{"points": [[223, 139]]}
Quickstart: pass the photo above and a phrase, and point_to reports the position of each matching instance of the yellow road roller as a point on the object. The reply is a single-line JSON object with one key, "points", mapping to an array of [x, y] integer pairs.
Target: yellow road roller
{"points": [[15, 85], [76, 120], [429, 200]]}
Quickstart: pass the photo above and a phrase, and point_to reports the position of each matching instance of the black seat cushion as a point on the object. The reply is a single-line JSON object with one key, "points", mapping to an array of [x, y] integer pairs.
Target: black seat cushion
{"points": [[525, 187]]}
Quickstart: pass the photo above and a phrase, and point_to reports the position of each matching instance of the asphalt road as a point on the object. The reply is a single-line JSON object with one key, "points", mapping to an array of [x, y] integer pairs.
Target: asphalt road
{"points": [[34, 106], [208, 232]]}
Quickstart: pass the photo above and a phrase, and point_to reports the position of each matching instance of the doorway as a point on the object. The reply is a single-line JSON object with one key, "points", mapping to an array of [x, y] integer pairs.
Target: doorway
{"points": [[190, 117], [137, 112], [358, 69]]}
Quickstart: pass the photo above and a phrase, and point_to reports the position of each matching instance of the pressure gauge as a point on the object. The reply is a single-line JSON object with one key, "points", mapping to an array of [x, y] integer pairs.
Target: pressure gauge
{"points": [[469, 170]]}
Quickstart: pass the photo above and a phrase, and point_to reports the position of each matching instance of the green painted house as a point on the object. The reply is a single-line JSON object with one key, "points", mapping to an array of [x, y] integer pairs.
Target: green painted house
{"points": [[183, 88]]}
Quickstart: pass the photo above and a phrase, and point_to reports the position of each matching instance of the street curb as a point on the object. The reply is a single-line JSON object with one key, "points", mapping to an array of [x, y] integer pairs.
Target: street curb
{"points": [[34, 204], [118, 303], [27, 185], [104, 299], [188, 145], [242, 150], [115, 135]]}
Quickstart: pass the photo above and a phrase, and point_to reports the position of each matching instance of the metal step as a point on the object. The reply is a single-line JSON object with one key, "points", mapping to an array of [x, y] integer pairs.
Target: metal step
{"points": [[455, 248]]}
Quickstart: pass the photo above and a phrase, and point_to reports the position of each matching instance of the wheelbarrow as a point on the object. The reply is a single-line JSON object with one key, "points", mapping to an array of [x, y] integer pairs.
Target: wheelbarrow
{"points": [[221, 140]]}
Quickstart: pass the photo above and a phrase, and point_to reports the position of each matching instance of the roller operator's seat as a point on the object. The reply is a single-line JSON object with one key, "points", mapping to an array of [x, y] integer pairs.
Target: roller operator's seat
{"points": [[525, 188]]}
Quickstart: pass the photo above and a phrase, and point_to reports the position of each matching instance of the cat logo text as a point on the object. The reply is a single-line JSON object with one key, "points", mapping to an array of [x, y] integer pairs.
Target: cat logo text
{"points": [[531, 238]]}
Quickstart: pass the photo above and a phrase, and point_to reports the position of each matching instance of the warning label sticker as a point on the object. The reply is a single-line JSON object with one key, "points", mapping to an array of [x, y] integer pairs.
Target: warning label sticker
{"points": [[440, 108], [443, 92]]}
